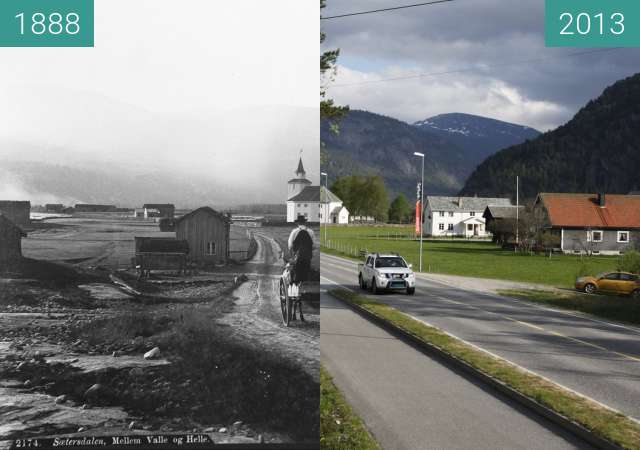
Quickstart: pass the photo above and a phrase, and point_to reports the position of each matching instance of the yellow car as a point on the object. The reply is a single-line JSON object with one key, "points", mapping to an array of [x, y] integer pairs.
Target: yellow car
{"points": [[611, 283]]}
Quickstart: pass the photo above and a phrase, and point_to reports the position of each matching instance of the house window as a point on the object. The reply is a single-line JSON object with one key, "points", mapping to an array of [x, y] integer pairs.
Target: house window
{"points": [[623, 236], [298, 205], [441, 227], [594, 236], [442, 214], [305, 205], [472, 213], [469, 227], [211, 248], [450, 227], [450, 213]]}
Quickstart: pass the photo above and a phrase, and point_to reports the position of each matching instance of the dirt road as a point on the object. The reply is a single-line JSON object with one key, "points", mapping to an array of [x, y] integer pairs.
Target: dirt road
{"points": [[256, 316]]}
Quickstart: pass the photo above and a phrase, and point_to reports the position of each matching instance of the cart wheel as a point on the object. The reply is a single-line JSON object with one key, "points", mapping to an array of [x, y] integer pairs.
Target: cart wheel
{"points": [[283, 302], [289, 310]]}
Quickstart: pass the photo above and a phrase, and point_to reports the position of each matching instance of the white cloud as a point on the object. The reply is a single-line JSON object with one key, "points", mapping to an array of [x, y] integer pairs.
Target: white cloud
{"points": [[416, 99]]}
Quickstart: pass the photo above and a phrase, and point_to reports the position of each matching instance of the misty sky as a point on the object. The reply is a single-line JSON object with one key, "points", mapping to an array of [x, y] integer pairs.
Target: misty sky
{"points": [[459, 35], [225, 90]]}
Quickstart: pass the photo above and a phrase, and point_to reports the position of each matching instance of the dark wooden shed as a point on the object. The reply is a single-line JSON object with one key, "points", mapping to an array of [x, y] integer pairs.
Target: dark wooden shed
{"points": [[10, 240], [91, 208], [18, 212], [207, 232], [160, 254]]}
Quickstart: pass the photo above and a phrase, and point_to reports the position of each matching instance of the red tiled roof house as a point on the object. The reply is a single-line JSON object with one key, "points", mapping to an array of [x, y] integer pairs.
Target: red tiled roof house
{"points": [[591, 223]]}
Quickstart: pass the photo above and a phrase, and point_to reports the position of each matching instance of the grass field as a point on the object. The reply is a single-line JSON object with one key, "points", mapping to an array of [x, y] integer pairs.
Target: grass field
{"points": [[466, 258]]}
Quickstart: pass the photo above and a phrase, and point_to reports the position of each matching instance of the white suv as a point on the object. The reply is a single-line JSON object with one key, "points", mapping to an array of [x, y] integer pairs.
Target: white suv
{"points": [[386, 272]]}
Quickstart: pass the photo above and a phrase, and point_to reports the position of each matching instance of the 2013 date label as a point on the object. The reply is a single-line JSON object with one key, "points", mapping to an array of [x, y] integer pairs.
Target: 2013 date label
{"points": [[592, 23]]}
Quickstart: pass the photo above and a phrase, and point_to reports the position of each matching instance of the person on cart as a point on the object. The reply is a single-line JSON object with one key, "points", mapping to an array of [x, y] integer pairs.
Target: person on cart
{"points": [[300, 246]]}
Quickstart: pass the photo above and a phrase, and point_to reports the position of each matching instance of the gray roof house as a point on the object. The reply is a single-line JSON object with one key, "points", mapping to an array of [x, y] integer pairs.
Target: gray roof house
{"points": [[459, 216]]}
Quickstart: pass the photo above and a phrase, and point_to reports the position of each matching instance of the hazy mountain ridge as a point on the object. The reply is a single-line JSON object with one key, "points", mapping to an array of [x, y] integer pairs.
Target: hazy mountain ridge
{"points": [[373, 143], [369, 143], [83, 146], [479, 136], [597, 150]]}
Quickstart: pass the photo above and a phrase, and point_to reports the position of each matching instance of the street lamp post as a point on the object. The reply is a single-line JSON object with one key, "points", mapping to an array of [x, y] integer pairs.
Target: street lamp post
{"points": [[326, 209], [421, 155]]}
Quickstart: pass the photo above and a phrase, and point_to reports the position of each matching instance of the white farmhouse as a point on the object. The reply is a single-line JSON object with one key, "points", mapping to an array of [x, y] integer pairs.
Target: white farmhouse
{"points": [[458, 216], [303, 199], [331, 208]]}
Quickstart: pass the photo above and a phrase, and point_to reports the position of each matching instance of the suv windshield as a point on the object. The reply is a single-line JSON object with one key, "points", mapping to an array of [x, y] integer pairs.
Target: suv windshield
{"points": [[390, 262]]}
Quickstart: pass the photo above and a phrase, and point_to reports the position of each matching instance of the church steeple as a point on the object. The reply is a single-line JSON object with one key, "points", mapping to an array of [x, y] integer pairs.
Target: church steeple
{"points": [[297, 184], [300, 171]]}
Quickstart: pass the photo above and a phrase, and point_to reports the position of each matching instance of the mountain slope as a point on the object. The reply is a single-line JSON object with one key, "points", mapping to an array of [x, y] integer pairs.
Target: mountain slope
{"points": [[598, 150], [479, 136], [374, 144]]}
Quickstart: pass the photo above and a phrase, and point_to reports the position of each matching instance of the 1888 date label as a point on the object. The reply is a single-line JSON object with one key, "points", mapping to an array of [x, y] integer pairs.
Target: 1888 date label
{"points": [[47, 23]]}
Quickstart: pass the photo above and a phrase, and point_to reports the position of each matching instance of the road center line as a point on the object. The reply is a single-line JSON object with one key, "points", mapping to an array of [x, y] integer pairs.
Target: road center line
{"points": [[536, 327], [524, 369]]}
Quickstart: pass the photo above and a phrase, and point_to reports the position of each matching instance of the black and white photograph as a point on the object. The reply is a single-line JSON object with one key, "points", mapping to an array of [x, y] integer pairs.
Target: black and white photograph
{"points": [[159, 226]]}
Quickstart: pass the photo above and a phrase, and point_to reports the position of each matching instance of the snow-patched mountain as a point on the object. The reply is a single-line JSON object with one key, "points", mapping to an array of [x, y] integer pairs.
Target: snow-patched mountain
{"points": [[479, 136]]}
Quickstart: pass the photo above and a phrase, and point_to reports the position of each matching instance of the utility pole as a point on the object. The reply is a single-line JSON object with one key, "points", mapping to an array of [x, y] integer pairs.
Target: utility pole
{"points": [[517, 211], [421, 205], [326, 202]]}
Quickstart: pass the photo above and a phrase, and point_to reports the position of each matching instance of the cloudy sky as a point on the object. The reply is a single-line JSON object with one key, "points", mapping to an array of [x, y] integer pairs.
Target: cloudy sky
{"points": [[486, 36], [222, 89]]}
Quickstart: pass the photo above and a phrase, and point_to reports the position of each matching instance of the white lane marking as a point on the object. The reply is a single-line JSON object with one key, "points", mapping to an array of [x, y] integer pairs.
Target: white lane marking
{"points": [[507, 361], [539, 328], [337, 284], [424, 277]]}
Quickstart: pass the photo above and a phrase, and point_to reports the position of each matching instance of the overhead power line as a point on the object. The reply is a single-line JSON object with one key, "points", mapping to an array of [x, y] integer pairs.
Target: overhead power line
{"points": [[385, 9], [471, 69]]}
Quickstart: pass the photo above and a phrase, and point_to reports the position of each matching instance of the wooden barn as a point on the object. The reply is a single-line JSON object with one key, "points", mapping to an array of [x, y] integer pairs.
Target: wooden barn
{"points": [[90, 208], [10, 240], [54, 207], [207, 232], [17, 212]]}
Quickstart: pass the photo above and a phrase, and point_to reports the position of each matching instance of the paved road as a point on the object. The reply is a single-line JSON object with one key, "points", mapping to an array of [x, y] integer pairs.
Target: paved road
{"points": [[593, 357], [410, 401]]}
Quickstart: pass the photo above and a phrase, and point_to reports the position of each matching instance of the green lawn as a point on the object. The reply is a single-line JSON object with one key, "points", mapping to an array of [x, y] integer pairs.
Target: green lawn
{"points": [[340, 427], [466, 258]]}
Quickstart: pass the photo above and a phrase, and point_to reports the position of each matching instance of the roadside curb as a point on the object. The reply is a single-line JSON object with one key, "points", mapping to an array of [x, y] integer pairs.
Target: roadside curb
{"points": [[458, 364]]}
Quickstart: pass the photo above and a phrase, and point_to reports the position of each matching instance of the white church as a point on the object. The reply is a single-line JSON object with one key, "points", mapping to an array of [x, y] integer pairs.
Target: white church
{"points": [[317, 204], [303, 199]]}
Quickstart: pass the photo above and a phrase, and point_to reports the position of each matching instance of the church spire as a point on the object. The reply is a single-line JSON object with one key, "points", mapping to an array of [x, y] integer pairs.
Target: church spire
{"points": [[300, 171]]}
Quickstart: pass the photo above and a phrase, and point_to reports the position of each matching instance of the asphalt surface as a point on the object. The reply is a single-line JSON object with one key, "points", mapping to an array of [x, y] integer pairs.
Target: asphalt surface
{"points": [[593, 357], [410, 401]]}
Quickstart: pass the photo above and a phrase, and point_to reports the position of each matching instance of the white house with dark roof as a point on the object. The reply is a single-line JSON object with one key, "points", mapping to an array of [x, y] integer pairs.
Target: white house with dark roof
{"points": [[303, 199], [458, 216], [331, 208]]}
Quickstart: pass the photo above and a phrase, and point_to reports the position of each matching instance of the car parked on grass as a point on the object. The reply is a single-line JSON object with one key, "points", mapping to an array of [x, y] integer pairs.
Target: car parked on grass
{"points": [[611, 283], [386, 272]]}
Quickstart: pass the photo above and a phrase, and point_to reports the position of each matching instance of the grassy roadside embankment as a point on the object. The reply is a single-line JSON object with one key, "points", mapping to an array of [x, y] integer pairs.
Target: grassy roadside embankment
{"points": [[622, 309], [480, 259], [603, 422], [340, 427]]}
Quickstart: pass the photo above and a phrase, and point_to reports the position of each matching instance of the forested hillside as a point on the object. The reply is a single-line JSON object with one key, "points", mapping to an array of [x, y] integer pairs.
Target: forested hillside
{"points": [[598, 150]]}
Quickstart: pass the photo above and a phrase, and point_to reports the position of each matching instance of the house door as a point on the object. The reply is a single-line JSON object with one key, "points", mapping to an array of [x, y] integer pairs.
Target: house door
{"points": [[475, 229]]}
